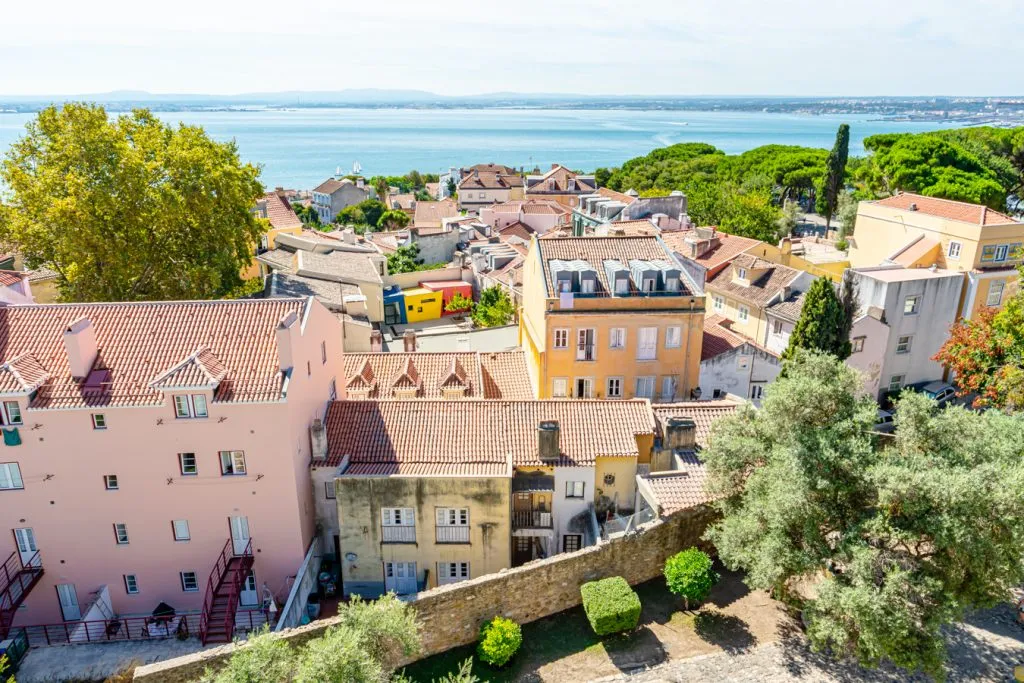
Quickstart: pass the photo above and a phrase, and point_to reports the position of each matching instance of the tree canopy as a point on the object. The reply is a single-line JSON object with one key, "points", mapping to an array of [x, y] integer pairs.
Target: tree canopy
{"points": [[494, 308], [824, 323], [129, 209], [393, 219], [894, 540], [405, 259], [366, 213], [835, 175]]}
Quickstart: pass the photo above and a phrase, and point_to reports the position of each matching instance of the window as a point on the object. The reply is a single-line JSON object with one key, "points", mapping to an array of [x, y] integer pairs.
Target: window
{"points": [[180, 529], [574, 489], [452, 516], [309, 369], [742, 363], [614, 387], [995, 293], [585, 344], [744, 314], [718, 303], [903, 343], [452, 525], [999, 252], [857, 344], [99, 421], [189, 582], [668, 387], [333, 390], [741, 273], [648, 284], [584, 387], [561, 339], [398, 525], [587, 286], [617, 338], [10, 476], [673, 337], [777, 327], [954, 250], [672, 284], [622, 286], [323, 353], [121, 534], [647, 343], [559, 386], [756, 391], [131, 584], [911, 305], [895, 383], [232, 462], [450, 572], [110, 482], [571, 543], [187, 462], [188, 406], [645, 387], [329, 491], [12, 413]]}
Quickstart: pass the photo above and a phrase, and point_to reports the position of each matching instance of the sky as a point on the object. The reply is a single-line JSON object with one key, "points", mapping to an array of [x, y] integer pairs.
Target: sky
{"points": [[464, 47]]}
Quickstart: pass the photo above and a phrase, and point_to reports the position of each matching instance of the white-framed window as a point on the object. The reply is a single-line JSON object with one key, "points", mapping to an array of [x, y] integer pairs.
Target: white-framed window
{"points": [[912, 304], [622, 286], [121, 533], [11, 413], [561, 338], [857, 344], [585, 346], [777, 327], [574, 489], [190, 406], [330, 491], [953, 252], [232, 462], [587, 286], [903, 343], [179, 527], [559, 387], [110, 482], [617, 338], [614, 387], [584, 387], [995, 293], [99, 421], [895, 383], [717, 303], [672, 284], [332, 392], [645, 387], [131, 584], [668, 387], [10, 477], [398, 525], [743, 313], [187, 464], [452, 525], [571, 542], [189, 582], [323, 353], [451, 572], [756, 391], [647, 343], [673, 337]]}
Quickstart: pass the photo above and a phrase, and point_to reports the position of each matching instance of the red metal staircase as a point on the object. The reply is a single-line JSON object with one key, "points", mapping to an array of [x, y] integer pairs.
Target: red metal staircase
{"points": [[217, 622], [17, 578]]}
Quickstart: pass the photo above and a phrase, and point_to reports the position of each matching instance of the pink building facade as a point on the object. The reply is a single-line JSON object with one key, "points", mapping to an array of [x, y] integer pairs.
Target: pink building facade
{"points": [[142, 438]]}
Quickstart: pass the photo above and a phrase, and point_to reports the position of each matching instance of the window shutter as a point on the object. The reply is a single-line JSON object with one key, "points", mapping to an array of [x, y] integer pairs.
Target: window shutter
{"points": [[442, 516], [385, 517], [408, 518]]}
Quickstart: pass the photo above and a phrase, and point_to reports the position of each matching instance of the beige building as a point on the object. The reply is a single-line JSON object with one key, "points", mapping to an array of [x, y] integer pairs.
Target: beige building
{"points": [[480, 188], [609, 317]]}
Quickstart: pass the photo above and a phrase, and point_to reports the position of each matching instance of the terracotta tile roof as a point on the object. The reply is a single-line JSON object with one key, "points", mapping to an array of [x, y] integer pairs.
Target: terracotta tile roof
{"points": [[329, 186], [23, 374], [495, 375], [965, 212], [279, 212], [557, 180], [431, 214], [401, 201], [41, 275], [640, 226], [486, 180], [626, 199], [9, 278], [538, 207], [679, 489], [139, 342], [469, 437], [789, 309], [727, 247], [703, 413], [278, 259], [517, 229], [595, 250], [490, 168], [921, 249], [762, 290], [200, 369], [719, 338]]}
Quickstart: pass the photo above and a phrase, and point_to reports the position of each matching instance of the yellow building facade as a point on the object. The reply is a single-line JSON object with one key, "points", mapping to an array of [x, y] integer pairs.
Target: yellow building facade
{"points": [[609, 318]]}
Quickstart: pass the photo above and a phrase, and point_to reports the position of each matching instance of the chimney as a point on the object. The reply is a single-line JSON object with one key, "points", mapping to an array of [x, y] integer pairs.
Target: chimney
{"points": [[376, 341], [554, 166], [680, 434], [548, 448], [409, 341], [348, 236], [318, 439], [360, 182], [80, 344], [285, 340], [913, 207]]}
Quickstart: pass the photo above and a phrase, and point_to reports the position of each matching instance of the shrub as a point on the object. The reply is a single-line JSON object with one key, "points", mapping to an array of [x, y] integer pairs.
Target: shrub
{"points": [[689, 574], [500, 638], [611, 605], [264, 657]]}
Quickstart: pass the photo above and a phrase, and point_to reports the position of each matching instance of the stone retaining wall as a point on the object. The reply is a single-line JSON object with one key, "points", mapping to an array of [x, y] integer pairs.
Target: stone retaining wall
{"points": [[451, 615]]}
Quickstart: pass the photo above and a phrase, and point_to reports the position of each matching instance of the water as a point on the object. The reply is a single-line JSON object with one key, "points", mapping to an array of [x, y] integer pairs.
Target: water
{"points": [[300, 148]]}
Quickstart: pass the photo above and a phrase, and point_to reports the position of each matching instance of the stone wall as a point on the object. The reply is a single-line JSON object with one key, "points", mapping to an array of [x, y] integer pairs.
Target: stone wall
{"points": [[451, 615]]}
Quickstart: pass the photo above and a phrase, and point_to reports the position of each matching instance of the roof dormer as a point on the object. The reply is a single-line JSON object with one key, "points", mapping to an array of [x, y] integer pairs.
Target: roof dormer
{"points": [[408, 383]]}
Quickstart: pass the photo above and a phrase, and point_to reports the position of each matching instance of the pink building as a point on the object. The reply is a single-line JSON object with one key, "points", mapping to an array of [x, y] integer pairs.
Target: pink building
{"points": [[538, 215], [142, 440]]}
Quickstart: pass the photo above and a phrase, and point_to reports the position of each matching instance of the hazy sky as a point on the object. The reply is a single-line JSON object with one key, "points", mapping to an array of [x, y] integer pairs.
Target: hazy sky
{"points": [[454, 47]]}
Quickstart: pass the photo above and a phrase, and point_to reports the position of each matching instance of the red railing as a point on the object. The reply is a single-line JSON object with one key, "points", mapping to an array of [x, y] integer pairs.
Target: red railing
{"points": [[212, 583], [216, 580], [16, 579]]}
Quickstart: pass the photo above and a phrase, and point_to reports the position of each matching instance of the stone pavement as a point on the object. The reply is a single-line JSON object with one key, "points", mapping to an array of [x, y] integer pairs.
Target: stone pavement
{"points": [[98, 661]]}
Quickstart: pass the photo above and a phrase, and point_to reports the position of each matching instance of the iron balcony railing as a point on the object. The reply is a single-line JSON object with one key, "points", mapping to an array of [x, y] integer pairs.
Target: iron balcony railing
{"points": [[531, 519], [398, 534], [452, 534]]}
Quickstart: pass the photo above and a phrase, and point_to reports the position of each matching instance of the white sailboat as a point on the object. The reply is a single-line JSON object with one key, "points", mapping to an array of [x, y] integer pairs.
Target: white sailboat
{"points": [[357, 168]]}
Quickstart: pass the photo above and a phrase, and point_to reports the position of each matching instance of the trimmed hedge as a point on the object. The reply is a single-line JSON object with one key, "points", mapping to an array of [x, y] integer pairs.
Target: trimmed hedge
{"points": [[500, 639], [611, 605]]}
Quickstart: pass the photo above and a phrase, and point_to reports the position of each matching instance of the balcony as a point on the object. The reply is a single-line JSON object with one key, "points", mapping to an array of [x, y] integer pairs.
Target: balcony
{"points": [[452, 534], [398, 534], [531, 519]]}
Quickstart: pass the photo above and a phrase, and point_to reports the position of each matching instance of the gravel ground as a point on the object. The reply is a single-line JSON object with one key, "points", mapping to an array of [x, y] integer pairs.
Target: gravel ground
{"points": [[95, 662]]}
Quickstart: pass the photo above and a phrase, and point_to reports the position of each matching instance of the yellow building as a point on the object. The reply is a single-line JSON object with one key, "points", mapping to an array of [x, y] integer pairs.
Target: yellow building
{"points": [[421, 304], [274, 208], [609, 317], [915, 231], [434, 491], [743, 290]]}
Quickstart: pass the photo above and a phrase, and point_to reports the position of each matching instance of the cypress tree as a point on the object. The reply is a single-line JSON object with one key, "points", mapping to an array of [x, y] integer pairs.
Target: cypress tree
{"points": [[824, 323], [835, 172]]}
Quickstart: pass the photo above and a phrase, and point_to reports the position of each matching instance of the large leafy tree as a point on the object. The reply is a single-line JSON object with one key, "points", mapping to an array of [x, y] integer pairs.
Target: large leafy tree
{"points": [[825, 322], [405, 259], [835, 174], [128, 209], [879, 546], [393, 219], [494, 308]]}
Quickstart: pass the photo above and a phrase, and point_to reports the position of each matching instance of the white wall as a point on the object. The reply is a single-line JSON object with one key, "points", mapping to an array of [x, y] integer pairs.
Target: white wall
{"points": [[735, 371], [565, 509]]}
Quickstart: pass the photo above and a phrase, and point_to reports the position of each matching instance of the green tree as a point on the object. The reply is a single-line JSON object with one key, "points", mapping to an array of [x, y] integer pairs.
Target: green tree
{"points": [[308, 215], [415, 179], [405, 259], [382, 187], [601, 176], [458, 304], [880, 547], [789, 219], [846, 212], [423, 196], [824, 325], [129, 209], [393, 219], [835, 175], [264, 657], [452, 187], [690, 574], [494, 308], [366, 212]]}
